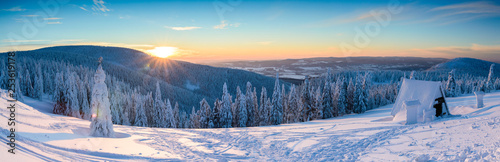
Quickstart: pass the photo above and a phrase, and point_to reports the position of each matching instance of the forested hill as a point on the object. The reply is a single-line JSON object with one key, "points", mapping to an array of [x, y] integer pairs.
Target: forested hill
{"points": [[180, 81], [470, 66]]}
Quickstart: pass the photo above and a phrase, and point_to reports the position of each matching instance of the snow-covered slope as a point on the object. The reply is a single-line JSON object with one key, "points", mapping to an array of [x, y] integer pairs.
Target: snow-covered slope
{"points": [[371, 136]]}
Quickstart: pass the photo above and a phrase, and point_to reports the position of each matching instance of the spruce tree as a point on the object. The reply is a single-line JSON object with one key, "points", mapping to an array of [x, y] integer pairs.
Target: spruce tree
{"points": [[101, 125], [226, 114], [249, 105], [242, 109]]}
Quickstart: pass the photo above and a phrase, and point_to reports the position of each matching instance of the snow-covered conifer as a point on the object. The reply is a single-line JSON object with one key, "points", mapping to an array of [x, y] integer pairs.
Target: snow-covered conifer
{"points": [[28, 84], [39, 83], [351, 88], [451, 85], [249, 105], [242, 109], [140, 115], [327, 101], [101, 125], [489, 83], [226, 114], [204, 114], [342, 100], [159, 109], [72, 94], [168, 117], [19, 94], [176, 116]]}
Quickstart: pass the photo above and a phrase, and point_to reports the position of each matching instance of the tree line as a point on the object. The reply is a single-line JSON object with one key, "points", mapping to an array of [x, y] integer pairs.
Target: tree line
{"points": [[326, 96]]}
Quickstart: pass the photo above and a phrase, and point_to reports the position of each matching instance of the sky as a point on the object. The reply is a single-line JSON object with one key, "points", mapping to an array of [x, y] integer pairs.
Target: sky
{"points": [[228, 30]]}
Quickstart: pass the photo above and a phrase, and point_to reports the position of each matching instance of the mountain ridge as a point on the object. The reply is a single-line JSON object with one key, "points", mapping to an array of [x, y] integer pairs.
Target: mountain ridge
{"points": [[180, 81], [467, 65]]}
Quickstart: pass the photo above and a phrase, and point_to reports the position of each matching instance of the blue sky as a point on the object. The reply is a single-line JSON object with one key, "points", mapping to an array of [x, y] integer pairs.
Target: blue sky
{"points": [[221, 30]]}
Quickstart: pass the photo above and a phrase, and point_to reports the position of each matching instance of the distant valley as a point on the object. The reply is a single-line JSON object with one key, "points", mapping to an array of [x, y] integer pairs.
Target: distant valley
{"points": [[299, 68]]}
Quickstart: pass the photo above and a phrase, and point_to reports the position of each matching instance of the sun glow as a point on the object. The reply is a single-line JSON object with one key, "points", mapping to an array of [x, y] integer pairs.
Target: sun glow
{"points": [[163, 52]]}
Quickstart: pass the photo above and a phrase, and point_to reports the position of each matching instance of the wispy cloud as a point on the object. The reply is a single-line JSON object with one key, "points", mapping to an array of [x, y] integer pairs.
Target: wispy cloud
{"points": [[224, 24], [30, 15], [52, 18], [183, 28], [454, 13], [57, 22], [235, 25], [15, 9], [415, 13], [22, 41], [99, 6], [363, 16], [68, 40], [83, 8]]}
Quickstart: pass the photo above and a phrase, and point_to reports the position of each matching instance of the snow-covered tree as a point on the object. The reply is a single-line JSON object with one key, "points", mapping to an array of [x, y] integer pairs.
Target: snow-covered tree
{"points": [[101, 125], [327, 101], [159, 109], [59, 95], [216, 114], [204, 114], [293, 104], [116, 104], [342, 99], [263, 118], [318, 113], [184, 120], [451, 85], [284, 103], [489, 83], [39, 83], [226, 114], [256, 111], [19, 94], [350, 97], [277, 102], [268, 108], [358, 94], [249, 105], [168, 117], [28, 84], [176, 115], [125, 111], [368, 102], [84, 100], [72, 94], [307, 101], [140, 115], [235, 110], [194, 121], [242, 108], [362, 105]]}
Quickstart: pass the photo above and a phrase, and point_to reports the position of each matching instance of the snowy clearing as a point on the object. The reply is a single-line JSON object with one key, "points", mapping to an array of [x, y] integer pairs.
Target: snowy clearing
{"points": [[372, 136]]}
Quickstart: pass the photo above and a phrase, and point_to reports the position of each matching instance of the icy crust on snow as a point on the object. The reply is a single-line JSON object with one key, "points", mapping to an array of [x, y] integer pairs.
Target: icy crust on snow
{"points": [[371, 136]]}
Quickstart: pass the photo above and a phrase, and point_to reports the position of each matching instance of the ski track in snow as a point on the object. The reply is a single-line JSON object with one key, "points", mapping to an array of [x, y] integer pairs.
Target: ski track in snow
{"points": [[472, 135]]}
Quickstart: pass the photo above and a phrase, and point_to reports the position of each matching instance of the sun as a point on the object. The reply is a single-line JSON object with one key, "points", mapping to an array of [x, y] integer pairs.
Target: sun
{"points": [[163, 52]]}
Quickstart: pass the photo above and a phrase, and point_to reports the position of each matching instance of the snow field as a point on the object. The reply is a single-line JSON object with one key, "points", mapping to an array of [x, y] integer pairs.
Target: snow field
{"points": [[370, 136]]}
